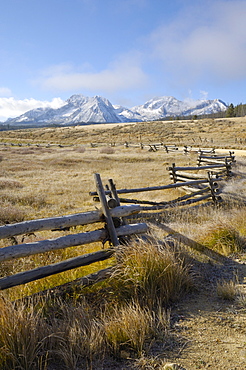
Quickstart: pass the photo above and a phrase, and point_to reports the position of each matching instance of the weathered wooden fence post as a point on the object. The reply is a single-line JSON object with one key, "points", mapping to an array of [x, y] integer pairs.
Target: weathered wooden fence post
{"points": [[199, 158], [212, 185], [228, 168], [109, 221], [173, 172], [114, 191], [122, 220]]}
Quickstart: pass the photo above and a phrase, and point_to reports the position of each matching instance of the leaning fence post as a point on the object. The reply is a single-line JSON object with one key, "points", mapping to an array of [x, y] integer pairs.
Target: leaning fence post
{"points": [[199, 158], [212, 186], [115, 196], [114, 191], [173, 172], [228, 168], [111, 202], [232, 157], [105, 209]]}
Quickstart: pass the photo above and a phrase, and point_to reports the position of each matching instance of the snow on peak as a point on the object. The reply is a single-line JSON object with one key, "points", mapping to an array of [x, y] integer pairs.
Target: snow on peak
{"points": [[77, 99]]}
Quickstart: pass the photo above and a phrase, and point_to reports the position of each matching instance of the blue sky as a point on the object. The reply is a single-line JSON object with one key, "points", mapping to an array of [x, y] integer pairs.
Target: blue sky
{"points": [[128, 51]]}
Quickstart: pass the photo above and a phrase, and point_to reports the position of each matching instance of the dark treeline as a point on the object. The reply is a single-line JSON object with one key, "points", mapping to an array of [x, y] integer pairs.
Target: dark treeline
{"points": [[237, 111], [231, 111]]}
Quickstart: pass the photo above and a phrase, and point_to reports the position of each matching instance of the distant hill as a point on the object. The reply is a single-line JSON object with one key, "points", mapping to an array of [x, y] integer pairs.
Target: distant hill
{"points": [[80, 109]]}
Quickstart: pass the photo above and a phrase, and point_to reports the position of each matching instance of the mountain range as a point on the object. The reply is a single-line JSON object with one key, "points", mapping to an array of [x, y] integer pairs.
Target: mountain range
{"points": [[79, 109]]}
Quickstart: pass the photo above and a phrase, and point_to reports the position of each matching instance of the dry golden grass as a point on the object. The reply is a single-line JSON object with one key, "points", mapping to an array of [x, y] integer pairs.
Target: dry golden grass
{"points": [[128, 328], [42, 334], [205, 132], [76, 332], [56, 181], [124, 315], [151, 275], [37, 182], [21, 335], [227, 290]]}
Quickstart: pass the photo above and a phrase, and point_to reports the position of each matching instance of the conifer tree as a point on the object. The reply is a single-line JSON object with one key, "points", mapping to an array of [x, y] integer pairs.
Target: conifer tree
{"points": [[230, 112]]}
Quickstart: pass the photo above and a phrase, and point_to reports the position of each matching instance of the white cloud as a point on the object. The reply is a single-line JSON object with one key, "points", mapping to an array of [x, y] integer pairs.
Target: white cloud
{"points": [[209, 40], [11, 107], [204, 95], [5, 91], [124, 73]]}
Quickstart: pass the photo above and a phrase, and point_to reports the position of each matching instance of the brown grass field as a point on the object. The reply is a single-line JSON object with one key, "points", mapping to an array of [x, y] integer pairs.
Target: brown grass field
{"points": [[163, 304], [225, 133]]}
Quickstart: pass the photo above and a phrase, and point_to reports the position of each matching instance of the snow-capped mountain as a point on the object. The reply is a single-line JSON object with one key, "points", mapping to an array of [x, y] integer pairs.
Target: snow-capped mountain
{"points": [[167, 106], [160, 107], [76, 109], [81, 109]]}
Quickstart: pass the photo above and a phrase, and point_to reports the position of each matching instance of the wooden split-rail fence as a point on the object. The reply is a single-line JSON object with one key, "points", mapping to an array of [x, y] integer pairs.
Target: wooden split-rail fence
{"points": [[37, 145], [152, 147], [110, 232], [201, 187], [205, 155], [211, 167], [212, 158], [200, 182], [210, 188]]}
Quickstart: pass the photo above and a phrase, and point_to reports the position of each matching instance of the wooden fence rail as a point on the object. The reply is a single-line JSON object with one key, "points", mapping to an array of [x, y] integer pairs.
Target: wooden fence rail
{"points": [[41, 272], [153, 188], [198, 195], [71, 240], [226, 160], [216, 171], [211, 189], [58, 223]]}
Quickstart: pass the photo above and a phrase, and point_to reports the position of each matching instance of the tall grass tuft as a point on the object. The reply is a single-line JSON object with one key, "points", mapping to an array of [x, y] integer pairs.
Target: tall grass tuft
{"points": [[81, 149], [33, 336], [10, 213], [241, 299], [150, 275], [224, 239], [77, 335], [22, 334], [131, 328], [227, 290], [107, 150], [6, 183], [128, 327]]}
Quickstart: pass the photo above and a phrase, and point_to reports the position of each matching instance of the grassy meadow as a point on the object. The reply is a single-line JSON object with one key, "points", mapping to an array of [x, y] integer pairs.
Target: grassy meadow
{"points": [[48, 172]]}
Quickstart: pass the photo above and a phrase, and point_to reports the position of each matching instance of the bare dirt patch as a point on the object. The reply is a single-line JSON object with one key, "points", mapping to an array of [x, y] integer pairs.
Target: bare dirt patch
{"points": [[212, 331]]}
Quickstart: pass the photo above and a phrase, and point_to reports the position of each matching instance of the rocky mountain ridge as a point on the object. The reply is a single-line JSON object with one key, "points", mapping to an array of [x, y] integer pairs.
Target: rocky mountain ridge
{"points": [[79, 109]]}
